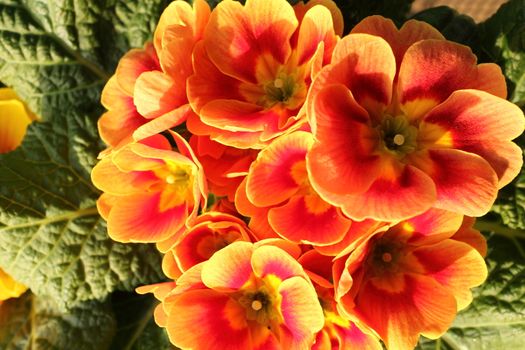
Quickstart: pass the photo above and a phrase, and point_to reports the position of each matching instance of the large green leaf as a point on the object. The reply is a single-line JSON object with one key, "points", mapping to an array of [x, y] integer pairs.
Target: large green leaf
{"points": [[35, 323], [496, 318], [503, 40], [58, 54]]}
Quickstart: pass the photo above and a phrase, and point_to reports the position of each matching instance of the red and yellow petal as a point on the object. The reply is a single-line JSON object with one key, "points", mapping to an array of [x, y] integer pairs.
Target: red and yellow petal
{"points": [[301, 311], [432, 226], [455, 265], [316, 27], [481, 123], [208, 320], [133, 64], [268, 260], [239, 38], [410, 192], [230, 268], [156, 93], [468, 234], [433, 69], [400, 40], [421, 306], [138, 218], [366, 65], [465, 182], [343, 159], [279, 169], [309, 220]]}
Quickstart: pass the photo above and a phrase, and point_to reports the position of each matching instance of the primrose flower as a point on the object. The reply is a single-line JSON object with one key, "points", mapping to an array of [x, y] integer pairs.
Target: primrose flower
{"points": [[254, 66], [246, 296], [150, 191], [412, 278], [338, 332], [147, 94], [14, 120], [225, 167], [408, 121], [207, 234], [278, 179], [9, 288]]}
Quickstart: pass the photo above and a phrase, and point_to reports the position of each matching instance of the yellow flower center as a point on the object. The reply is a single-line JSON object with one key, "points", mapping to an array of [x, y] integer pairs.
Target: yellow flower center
{"points": [[176, 184], [262, 301], [285, 90], [397, 136]]}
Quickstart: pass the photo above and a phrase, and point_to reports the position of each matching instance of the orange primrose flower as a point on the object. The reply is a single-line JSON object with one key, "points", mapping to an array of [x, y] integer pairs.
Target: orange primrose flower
{"points": [[147, 93], [405, 121], [254, 66], [224, 166], [338, 332], [296, 212], [207, 234], [15, 117], [411, 279], [246, 296], [150, 191]]}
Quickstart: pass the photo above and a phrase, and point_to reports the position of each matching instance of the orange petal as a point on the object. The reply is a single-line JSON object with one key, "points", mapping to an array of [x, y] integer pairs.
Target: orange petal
{"points": [[465, 182], [270, 260], [301, 311], [133, 64], [205, 319], [422, 306], [410, 193], [433, 69], [366, 65], [316, 27], [157, 94], [432, 226], [343, 158], [400, 40], [137, 218], [237, 37], [455, 265], [479, 122], [277, 169], [471, 236], [230, 268], [309, 220]]}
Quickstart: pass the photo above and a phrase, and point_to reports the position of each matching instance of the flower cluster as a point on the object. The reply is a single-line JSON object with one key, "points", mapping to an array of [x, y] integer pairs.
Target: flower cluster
{"points": [[307, 190]]}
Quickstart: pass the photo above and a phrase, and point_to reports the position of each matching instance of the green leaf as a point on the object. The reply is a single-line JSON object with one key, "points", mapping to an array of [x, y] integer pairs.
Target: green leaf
{"points": [[453, 25], [136, 328], [503, 40], [58, 54], [496, 318], [51, 236], [32, 322]]}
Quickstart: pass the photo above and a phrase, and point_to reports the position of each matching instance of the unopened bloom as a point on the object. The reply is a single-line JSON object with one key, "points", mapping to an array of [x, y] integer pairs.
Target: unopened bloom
{"points": [[406, 121], [254, 66], [14, 120], [9, 288], [412, 278], [150, 191], [245, 296]]}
